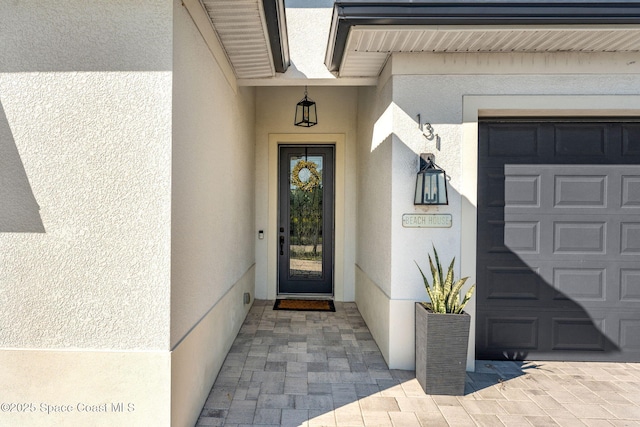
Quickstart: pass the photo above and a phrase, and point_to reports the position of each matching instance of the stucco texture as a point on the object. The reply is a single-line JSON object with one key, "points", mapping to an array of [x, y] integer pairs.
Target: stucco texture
{"points": [[81, 35], [212, 231], [445, 116], [390, 141], [375, 138], [87, 139]]}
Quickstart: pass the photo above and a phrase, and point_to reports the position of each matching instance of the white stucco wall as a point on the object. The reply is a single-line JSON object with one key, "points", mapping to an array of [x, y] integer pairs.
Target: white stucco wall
{"points": [[88, 133], [388, 316], [337, 112], [390, 141], [212, 221], [212, 236], [375, 136], [85, 160], [439, 98], [72, 36]]}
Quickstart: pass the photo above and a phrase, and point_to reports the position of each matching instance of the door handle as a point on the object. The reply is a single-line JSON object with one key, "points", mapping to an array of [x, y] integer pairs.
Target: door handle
{"points": [[281, 245]]}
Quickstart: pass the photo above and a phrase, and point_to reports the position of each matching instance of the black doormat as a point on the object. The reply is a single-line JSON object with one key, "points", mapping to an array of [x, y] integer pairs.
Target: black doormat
{"points": [[304, 305]]}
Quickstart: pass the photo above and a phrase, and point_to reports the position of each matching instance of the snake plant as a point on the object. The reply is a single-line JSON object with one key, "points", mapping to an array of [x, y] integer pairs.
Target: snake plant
{"points": [[444, 292]]}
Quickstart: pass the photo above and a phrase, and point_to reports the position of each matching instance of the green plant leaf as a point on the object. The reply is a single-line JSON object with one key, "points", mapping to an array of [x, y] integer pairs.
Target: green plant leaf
{"points": [[453, 300], [467, 297], [438, 300], [426, 284], [444, 293], [435, 253], [449, 281]]}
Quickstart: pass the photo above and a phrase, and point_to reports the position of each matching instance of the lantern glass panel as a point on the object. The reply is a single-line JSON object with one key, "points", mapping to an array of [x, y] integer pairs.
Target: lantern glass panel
{"points": [[419, 189], [431, 188], [306, 113]]}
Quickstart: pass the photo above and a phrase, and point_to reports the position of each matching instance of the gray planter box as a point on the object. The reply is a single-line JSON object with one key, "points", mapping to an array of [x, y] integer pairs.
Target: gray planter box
{"points": [[441, 351]]}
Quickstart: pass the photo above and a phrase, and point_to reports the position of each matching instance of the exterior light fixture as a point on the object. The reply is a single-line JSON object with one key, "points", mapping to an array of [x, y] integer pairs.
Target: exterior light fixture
{"points": [[306, 114], [431, 183]]}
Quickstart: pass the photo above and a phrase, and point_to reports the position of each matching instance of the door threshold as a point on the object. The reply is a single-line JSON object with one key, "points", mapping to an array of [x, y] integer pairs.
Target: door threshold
{"points": [[306, 296]]}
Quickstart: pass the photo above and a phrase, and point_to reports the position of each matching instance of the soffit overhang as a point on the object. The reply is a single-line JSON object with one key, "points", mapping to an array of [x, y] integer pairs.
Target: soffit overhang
{"points": [[253, 34], [364, 35]]}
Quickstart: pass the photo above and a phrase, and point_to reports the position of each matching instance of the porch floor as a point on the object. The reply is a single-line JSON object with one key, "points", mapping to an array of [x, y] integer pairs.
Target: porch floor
{"points": [[289, 368]]}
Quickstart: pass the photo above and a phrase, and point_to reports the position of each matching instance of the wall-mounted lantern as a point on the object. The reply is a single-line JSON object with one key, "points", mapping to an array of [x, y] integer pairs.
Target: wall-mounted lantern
{"points": [[306, 114], [431, 183]]}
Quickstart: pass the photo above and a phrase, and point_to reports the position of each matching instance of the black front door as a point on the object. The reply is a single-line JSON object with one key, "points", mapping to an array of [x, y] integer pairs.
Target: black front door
{"points": [[305, 222]]}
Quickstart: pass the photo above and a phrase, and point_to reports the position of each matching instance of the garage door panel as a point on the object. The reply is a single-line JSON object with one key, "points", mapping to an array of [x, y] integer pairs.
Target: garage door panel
{"points": [[577, 334], [527, 235], [580, 284], [564, 189], [524, 188], [581, 140], [630, 285], [578, 237], [492, 183], [580, 191], [522, 191], [559, 241], [513, 283], [585, 237], [522, 237], [574, 287], [631, 140], [597, 274], [508, 142], [511, 332], [493, 235], [630, 191], [606, 284], [629, 337], [516, 235], [515, 334], [630, 238]]}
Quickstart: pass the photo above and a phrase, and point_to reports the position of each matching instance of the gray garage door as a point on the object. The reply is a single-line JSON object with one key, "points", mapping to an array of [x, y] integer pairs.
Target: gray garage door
{"points": [[558, 240]]}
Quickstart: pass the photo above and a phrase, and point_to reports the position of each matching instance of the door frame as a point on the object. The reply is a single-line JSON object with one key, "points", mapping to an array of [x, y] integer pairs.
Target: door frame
{"points": [[323, 286], [271, 234]]}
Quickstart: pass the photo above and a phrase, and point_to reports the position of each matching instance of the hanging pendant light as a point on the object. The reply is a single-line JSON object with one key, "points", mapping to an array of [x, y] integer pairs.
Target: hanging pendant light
{"points": [[306, 114]]}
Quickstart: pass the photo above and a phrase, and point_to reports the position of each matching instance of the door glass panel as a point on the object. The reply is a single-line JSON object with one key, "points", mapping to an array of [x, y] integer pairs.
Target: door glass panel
{"points": [[305, 210]]}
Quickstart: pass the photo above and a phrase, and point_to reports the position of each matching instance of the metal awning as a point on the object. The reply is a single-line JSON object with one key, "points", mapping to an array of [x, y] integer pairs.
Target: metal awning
{"points": [[253, 34], [364, 34]]}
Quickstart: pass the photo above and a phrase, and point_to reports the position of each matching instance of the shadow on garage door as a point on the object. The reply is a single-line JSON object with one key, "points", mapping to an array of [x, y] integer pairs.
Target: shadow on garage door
{"points": [[558, 240]]}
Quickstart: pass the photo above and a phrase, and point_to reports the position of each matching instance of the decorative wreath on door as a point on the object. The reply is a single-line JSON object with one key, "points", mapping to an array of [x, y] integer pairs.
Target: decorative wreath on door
{"points": [[314, 176]]}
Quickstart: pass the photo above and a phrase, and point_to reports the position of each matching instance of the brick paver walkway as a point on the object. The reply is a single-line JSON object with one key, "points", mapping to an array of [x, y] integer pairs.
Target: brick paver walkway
{"points": [[289, 368]]}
